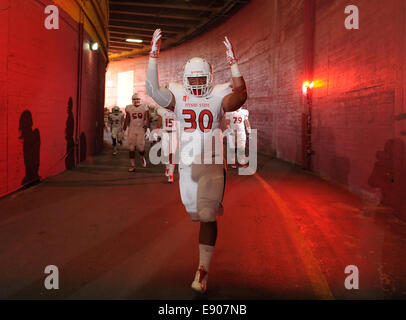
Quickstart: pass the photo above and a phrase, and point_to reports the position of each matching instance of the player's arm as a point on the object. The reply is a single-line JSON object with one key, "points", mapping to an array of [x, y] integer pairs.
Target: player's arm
{"points": [[228, 123], [161, 95], [237, 98], [126, 121], [147, 120], [159, 125], [110, 122], [247, 126]]}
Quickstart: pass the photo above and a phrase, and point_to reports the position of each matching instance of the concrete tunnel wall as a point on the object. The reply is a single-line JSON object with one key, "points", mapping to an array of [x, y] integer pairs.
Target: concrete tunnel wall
{"points": [[38, 80], [359, 121]]}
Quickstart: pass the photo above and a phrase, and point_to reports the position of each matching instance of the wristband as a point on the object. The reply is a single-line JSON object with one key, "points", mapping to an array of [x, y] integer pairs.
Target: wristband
{"points": [[235, 72]]}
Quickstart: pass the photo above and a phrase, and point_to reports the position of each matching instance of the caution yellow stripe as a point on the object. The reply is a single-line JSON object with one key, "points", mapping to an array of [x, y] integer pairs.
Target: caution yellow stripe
{"points": [[318, 281]]}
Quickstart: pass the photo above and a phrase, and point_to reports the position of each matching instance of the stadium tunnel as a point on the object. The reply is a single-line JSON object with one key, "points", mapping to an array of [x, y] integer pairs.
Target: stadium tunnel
{"points": [[329, 188]]}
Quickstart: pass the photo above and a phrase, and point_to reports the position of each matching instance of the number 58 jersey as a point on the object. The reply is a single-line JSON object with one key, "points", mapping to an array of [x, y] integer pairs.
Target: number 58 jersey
{"points": [[199, 115], [137, 116]]}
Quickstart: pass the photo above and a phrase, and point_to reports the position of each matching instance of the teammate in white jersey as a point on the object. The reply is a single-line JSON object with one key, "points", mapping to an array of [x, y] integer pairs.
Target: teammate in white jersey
{"points": [[167, 122], [237, 122], [199, 107], [116, 120], [137, 119]]}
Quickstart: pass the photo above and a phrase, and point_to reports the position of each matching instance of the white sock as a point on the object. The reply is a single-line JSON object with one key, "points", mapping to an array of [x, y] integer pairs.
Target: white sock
{"points": [[206, 252]]}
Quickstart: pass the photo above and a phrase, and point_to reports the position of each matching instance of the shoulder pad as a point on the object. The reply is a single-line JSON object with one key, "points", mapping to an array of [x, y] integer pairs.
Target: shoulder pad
{"points": [[176, 88], [222, 89]]}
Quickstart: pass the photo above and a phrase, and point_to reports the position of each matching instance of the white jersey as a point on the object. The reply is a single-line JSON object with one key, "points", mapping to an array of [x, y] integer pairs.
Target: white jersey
{"points": [[137, 116], [198, 115], [237, 119], [116, 120], [168, 118]]}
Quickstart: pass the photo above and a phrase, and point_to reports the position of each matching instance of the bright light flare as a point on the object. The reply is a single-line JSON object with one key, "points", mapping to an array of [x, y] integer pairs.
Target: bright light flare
{"points": [[94, 46], [134, 40], [306, 86]]}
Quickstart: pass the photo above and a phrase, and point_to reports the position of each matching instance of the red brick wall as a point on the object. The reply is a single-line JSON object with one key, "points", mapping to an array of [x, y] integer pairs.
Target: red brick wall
{"points": [[41, 75], [359, 121]]}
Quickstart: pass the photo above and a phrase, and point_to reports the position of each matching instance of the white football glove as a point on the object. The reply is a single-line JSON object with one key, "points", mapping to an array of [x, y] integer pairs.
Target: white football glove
{"points": [[147, 134], [155, 44], [231, 57]]}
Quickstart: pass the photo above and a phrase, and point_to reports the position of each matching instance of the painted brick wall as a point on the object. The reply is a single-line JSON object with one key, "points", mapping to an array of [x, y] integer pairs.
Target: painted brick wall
{"points": [[358, 118], [3, 94], [41, 77]]}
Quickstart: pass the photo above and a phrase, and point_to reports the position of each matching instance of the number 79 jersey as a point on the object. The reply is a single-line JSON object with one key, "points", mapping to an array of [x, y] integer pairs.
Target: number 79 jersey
{"points": [[237, 119]]}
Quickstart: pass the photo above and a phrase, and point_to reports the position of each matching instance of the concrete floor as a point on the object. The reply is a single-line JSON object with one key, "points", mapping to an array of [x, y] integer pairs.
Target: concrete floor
{"points": [[285, 234]]}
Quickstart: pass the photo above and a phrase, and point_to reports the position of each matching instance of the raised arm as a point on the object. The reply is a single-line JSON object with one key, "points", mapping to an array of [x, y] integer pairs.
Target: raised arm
{"points": [[235, 100], [161, 95]]}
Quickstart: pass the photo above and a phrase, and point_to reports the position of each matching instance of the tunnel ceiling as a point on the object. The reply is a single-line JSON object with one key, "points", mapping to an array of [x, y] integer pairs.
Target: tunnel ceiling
{"points": [[180, 20]]}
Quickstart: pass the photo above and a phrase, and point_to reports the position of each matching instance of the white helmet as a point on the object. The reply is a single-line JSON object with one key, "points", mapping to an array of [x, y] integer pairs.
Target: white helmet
{"points": [[116, 109], [197, 67]]}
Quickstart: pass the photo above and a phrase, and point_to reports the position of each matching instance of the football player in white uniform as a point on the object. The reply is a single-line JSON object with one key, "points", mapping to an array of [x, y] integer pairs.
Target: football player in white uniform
{"points": [[237, 122], [199, 108], [137, 119], [116, 120], [167, 122]]}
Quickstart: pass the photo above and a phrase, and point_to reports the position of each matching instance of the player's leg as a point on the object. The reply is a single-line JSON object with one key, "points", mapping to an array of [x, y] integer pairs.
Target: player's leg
{"points": [[241, 142], [114, 138], [165, 151], [119, 136], [141, 147], [209, 197], [131, 145], [171, 150], [231, 147]]}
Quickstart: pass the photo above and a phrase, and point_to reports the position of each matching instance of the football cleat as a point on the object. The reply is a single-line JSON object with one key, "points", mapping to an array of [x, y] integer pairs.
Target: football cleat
{"points": [[132, 169], [199, 284], [115, 153], [234, 166]]}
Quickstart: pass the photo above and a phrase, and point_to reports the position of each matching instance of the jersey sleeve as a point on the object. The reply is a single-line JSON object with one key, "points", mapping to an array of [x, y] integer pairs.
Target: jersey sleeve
{"points": [[246, 114], [127, 108], [159, 111]]}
